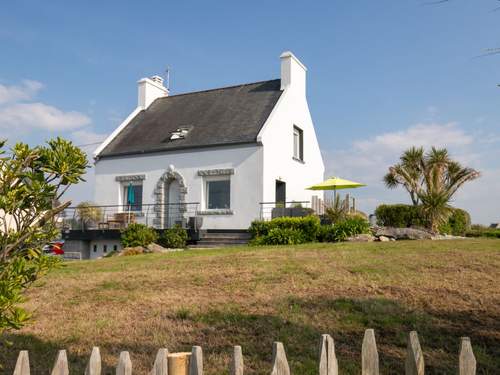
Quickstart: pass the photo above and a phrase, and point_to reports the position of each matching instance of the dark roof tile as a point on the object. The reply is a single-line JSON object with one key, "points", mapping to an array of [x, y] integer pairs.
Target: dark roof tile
{"points": [[230, 115]]}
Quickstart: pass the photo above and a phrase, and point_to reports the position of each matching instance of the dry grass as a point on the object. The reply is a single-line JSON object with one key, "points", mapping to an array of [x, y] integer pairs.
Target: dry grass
{"points": [[254, 296]]}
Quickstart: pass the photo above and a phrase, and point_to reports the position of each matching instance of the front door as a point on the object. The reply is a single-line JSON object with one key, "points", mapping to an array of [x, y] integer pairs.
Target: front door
{"points": [[172, 207], [280, 193]]}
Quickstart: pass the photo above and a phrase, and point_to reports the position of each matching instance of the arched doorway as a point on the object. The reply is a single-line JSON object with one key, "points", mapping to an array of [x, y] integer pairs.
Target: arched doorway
{"points": [[171, 211], [170, 193]]}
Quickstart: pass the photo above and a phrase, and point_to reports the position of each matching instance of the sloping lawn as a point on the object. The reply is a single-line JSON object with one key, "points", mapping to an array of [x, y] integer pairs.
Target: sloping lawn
{"points": [[254, 296]]}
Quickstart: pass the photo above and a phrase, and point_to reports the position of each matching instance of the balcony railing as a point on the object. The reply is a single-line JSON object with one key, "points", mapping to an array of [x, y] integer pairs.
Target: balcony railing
{"points": [[272, 210], [104, 217]]}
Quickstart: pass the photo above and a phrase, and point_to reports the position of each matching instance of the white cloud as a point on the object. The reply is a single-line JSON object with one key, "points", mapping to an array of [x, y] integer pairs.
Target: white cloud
{"points": [[40, 116], [426, 135], [367, 160], [26, 91], [19, 111]]}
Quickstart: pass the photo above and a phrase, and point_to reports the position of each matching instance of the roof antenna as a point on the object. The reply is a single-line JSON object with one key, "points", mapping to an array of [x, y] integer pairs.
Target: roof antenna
{"points": [[167, 77]]}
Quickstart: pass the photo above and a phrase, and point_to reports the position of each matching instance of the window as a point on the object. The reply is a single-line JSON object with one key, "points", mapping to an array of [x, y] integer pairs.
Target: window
{"points": [[132, 196], [95, 249], [105, 248], [298, 143], [218, 194]]}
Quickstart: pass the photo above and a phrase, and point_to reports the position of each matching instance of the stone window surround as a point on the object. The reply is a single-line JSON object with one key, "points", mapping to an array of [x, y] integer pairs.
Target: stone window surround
{"points": [[216, 172], [130, 178]]}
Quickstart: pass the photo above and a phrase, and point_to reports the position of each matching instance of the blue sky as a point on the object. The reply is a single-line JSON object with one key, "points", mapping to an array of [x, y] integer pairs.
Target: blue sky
{"points": [[383, 74]]}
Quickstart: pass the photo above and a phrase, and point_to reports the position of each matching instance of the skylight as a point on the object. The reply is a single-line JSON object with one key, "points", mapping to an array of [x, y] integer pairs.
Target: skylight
{"points": [[179, 133]]}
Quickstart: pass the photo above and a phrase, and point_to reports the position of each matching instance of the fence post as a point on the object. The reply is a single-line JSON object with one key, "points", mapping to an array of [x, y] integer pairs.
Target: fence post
{"points": [[160, 367], [22, 364], [236, 366], [61, 364], [414, 364], [196, 362], [328, 364], [280, 364], [369, 354], [467, 360], [94, 365], [124, 364]]}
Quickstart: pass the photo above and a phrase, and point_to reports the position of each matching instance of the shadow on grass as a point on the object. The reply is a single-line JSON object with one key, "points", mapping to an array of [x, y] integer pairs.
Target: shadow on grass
{"points": [[298, 323], [42, 355]]}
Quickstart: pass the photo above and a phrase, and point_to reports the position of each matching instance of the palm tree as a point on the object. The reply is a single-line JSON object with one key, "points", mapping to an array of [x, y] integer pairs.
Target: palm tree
{"points": [[408, 173], [431, 180]]}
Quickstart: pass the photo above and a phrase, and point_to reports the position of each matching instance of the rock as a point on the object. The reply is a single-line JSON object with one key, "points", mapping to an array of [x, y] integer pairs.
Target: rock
{"points": [[361, 238], [155, 248], [131, 251], [384, 239], [403, 233]]}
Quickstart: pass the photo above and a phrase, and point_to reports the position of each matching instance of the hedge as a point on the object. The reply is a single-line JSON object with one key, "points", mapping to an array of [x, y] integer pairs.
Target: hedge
{"points": [[399, 216], [294, 230], [308, 226], [405, 216]]}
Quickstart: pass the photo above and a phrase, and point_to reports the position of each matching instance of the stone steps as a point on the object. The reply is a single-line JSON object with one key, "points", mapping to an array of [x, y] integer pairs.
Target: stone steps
{"points": [[222, 239]]}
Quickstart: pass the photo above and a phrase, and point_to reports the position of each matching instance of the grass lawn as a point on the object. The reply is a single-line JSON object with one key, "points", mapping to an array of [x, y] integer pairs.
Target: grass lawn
{"points": [[254, 296]]}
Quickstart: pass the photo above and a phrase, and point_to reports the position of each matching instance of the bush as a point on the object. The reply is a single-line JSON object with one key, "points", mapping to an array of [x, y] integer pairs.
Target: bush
{"points": [[405, 216], [138, 235], [482, 231], [343, 229], [308, 226], [174, 238], [458, 223], [399, 216], [280, 236]]}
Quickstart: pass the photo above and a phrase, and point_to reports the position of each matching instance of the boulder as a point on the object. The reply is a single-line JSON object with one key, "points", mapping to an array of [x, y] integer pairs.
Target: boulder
{"points": [[361, 238], [384, 239], [155, 248], [135, 250], [403, 233]]}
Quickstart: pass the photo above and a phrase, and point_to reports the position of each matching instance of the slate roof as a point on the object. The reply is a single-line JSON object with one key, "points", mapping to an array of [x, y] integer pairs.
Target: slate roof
{"points": [[224, 116]]}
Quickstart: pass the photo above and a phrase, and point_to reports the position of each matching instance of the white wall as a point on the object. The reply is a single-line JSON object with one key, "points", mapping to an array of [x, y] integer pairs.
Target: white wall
{"points": [[246, 182], [98, 245], [277, 139]]}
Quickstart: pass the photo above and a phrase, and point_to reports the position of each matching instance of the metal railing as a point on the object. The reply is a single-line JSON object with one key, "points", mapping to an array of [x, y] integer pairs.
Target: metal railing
{"points": [[272, 210], [104, 217]]}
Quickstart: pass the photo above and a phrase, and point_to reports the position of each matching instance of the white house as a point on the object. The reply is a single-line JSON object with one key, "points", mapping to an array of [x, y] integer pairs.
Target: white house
{"points": [[226, 151]]}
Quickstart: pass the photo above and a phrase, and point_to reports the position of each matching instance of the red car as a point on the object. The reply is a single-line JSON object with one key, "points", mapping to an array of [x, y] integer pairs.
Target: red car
{"points": [[54, 248]]}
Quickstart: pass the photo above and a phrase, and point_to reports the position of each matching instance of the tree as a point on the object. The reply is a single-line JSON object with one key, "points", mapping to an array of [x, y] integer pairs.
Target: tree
{"points": [[32, 182], [408, 173], [431, 179]]}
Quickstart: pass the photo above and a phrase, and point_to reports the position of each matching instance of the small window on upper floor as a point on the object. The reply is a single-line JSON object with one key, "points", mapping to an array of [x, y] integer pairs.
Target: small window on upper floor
{"points": [[298, 143]]}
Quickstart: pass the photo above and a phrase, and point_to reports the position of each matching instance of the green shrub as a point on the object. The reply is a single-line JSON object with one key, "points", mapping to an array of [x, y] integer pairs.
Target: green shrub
{"points": [[343, 229], [173, 238], [280, 236], [138, 235], [399, 216], [308, 226], [482, 231], [405, 216], [458, 223]]}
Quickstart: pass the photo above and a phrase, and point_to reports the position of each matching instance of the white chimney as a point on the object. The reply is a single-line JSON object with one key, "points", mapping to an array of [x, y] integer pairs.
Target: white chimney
{"points": [[293, 72], [150, 89]]}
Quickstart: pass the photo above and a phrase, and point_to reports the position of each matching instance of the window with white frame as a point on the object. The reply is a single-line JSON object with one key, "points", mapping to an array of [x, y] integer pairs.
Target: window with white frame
{"points": [[218, 194], [132, 196], [298, 143]]}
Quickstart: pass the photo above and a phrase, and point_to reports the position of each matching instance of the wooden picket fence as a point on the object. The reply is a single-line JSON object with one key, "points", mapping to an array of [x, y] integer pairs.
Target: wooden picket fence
{"points": [[328, 365]]}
